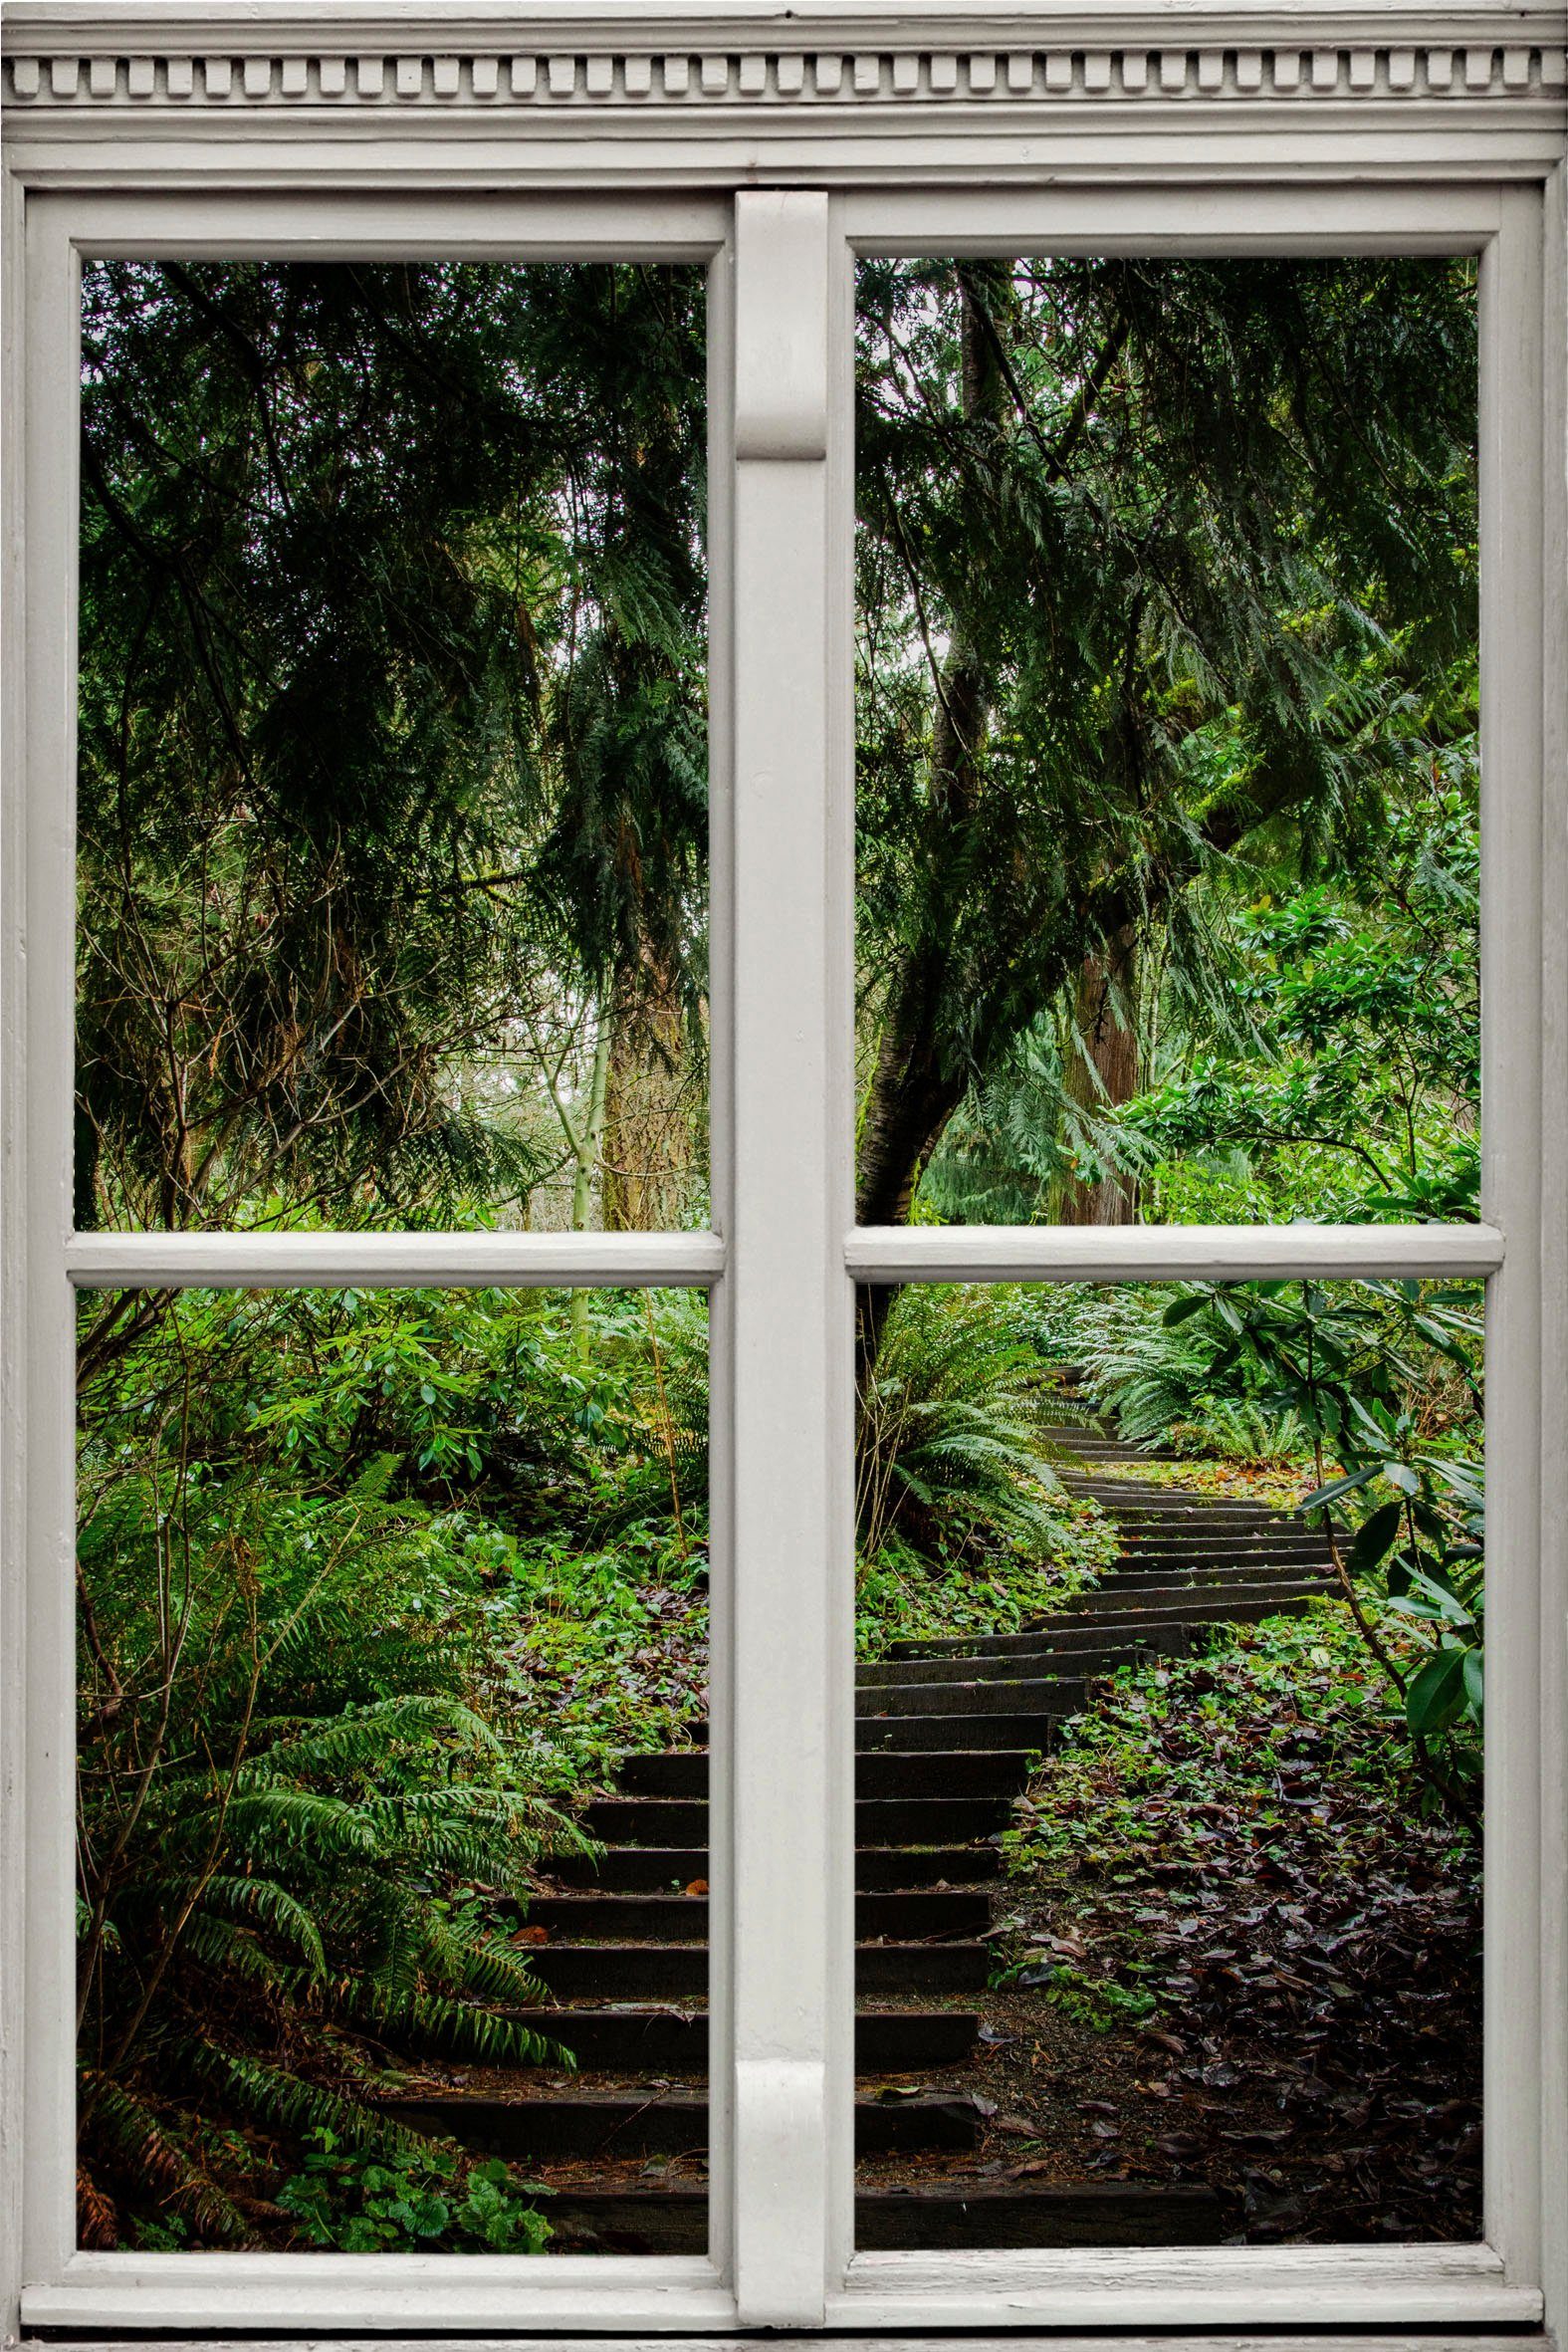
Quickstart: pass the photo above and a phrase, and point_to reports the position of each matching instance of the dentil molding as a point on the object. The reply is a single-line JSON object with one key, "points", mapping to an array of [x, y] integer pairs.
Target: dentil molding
{"points": [[770, 61]]}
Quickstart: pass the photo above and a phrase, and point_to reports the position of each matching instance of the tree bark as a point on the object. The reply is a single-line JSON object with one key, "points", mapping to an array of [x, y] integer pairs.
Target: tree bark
{"points": [[915, 1087], [587, 1139], [918, 1083], [1102, 1074], [921, 1072], [646, 1161]]}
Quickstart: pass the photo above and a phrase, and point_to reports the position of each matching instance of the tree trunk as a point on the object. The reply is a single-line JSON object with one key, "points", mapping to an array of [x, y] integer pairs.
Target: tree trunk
{"points": [[587, 1143], [914, 1088], [648, 1138], [1102, 1074], [917, 1084]]}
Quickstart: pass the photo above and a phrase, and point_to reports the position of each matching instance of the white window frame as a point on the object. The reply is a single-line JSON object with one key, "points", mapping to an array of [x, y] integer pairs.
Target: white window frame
{"points": [[777, 143]]}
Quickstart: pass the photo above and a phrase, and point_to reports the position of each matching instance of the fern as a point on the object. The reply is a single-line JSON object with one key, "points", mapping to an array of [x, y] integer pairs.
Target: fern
{"points": [[951, 1454], [329, 1763]]}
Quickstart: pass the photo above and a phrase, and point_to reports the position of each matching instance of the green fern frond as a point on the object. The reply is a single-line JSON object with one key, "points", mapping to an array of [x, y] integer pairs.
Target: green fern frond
{"points": [[125, 2127], [271, 2095], [359, 1739], [430, 2020]]}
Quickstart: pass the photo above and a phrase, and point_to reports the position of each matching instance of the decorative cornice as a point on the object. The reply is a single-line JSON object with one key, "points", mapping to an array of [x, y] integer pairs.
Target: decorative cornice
{"points": [[766, 60]]}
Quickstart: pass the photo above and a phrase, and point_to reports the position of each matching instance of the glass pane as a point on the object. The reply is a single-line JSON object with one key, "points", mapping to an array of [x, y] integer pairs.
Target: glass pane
{"points": [[392, 801], [1169, 1867], [392, 1785], [1167, 741]]}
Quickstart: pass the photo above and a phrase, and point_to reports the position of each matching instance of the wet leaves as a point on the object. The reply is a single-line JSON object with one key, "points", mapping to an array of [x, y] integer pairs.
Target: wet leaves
{"points": [[1241, 1841]]}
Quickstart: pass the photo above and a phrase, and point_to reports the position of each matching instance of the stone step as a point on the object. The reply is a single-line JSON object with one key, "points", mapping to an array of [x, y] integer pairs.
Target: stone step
{"points": [[902, 1822], [1229, 1609], [1127, 1481], [930, 1722], [891, 1868], [1128, 1513], [679, 1972], [945, 2218], [1107, 1453], [675, 2042], [1165, 1597], [1258, 1568], [899, 1869], [936, 1728], [683, 1771], [1044, 1695], [1192, 1607], [1093, 1655], [1068, 1645], [1095, 1431], [683, 1919], [1219, 1575], [1136, 1549], [656, 2121]]}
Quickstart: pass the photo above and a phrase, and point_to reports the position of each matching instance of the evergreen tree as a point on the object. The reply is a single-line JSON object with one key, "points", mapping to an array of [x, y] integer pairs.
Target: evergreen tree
{"points": [[1152, 557], [392, 609]]}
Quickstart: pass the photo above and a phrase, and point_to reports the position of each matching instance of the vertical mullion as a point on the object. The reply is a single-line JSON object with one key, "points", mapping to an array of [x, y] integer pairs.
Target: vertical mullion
{"points": [[46, 1415], [1511, 1139], [721, 1188], [841, 1400], [1553, 1409], [786, 1293]]}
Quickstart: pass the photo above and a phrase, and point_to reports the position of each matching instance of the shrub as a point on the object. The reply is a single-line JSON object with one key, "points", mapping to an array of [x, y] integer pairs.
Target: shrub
{"points": [[962, 1520], [289, 1757]]}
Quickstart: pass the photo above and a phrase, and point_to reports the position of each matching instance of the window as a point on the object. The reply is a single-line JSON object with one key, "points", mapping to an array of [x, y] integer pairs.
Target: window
{"points": [[776, 164]]}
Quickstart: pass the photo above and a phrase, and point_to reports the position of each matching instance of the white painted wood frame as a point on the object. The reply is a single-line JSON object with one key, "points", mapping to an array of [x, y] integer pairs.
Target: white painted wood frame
{"points": [[777, 143]]}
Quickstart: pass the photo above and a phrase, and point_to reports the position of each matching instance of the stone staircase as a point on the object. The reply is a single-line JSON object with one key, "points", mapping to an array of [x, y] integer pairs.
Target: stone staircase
{"points": [[947, 1734]]}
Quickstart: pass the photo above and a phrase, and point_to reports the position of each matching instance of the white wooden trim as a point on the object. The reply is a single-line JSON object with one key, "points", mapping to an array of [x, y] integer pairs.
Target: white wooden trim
{"points": [[385, 1261], [1216, 2286], [981, 66], [46, 1551], [721, 1193], [1553, 1422], [895, 92], [281, 224], [1297, 126], [838, 903], [1165, 1253], [1098, 219], [788, 1330], [1512, 554], [1105, 2340], [383, 2294], [14, 345]]}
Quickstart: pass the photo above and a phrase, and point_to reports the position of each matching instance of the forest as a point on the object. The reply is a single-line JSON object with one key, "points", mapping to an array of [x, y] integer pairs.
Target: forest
{"points": [[393, 881]]}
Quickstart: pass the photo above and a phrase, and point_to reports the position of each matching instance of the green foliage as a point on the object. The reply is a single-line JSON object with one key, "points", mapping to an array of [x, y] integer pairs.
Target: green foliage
{"points": [[1306, 1049], [1100, 2002], [1343, 1071], [316, 1531], [1136, 1775], [424, 2203], [1388, 1377], [1134, 606], [391, 725], [1158, 1377], [964, 1523], [610, 1654], [1383, 1379], [393, 802]]}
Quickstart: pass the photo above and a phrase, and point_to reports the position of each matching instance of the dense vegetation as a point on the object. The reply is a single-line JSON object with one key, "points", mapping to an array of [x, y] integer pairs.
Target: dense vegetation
{"points": [[392, 882], [1228, 1879]]}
